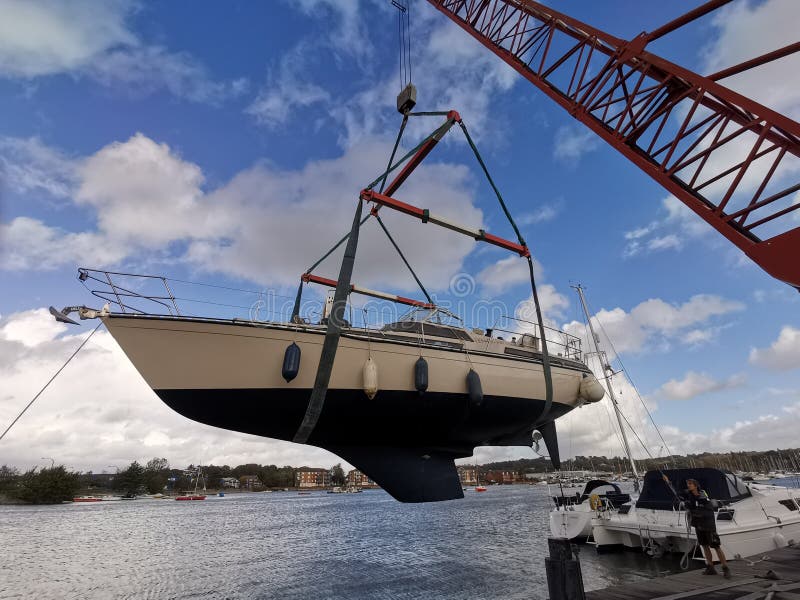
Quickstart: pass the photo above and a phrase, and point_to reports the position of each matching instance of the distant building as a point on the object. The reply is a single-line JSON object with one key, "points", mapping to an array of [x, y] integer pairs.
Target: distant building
{"points": [[356, 478], [501, 477], [307, 477], [468, 475], [249, 482], [229, 482]]}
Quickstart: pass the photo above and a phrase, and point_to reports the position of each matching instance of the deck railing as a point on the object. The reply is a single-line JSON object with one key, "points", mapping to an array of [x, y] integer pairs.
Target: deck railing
{"points": [[525, 334], [133, 293]]}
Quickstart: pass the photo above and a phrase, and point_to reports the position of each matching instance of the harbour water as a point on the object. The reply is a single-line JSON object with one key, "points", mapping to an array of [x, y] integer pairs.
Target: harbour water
{"points": [[285, 545]]}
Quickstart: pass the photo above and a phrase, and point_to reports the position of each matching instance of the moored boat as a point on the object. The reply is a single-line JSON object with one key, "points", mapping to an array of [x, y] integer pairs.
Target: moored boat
{"points": [[750, 518], [572, 515]]}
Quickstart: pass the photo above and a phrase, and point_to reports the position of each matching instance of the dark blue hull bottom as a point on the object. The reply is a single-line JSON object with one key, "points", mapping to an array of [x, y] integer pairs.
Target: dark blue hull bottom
{"points": [[405, 441]]}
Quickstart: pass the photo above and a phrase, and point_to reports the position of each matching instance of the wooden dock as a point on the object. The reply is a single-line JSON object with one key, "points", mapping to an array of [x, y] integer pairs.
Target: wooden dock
{"points": [[774, 578]]}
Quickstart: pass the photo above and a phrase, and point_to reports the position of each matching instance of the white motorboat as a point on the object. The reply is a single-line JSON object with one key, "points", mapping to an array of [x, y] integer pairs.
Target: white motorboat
{"points": [[751, 519], [573, 513]]}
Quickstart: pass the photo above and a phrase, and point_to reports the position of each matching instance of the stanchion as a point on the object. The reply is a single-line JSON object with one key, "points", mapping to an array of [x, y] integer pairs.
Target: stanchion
{"points": [[563, 567]]}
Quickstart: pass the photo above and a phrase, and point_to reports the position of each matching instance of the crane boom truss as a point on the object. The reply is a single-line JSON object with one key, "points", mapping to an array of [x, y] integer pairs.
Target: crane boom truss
{"points": [[729, 159]]}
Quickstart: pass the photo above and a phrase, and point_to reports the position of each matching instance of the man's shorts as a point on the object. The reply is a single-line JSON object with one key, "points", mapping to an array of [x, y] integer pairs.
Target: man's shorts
{"points": [[707, 538]]}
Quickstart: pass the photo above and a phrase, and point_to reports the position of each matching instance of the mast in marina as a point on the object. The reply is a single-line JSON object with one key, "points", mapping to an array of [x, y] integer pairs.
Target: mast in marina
{"points": [[608, 372]]}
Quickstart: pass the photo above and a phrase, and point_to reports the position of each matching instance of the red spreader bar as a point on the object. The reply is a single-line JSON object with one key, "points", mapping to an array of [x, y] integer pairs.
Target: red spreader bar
{"points": [[425, 149], [309, 278], [424, 215]]}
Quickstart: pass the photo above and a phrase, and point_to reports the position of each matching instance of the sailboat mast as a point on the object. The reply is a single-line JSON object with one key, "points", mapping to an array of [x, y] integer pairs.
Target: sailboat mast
{"points": [[608, 371]]}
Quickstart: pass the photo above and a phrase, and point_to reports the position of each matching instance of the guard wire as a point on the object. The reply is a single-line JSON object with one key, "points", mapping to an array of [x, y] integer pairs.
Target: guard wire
{"points": [[56, 374]]}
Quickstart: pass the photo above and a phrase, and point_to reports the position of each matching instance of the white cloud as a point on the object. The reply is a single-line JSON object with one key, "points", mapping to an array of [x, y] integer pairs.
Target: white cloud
{"points": [[286, 90], [347, 32], [271, 209], [656, 323], [450, 70], [506, 273], [144, 194], [551, 302], [670, 232], [100, 412], [30, 244], [144, 198], [695, 384], [749, 29], [85, 38], [664, 243], [45, 38], [146, 69], [573, 141], [783, 354], [544, 213], [792, 409], [28, 166]]}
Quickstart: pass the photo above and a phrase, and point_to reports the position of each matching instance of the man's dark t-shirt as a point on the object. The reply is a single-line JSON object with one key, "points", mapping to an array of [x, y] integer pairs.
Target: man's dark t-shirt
{"points": [[699, 507]]}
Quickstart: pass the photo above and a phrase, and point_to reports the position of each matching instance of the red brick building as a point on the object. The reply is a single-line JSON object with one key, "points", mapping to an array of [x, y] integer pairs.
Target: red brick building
{"points": [[468, 475], [500, 477], [356, 478], [307, 477]]}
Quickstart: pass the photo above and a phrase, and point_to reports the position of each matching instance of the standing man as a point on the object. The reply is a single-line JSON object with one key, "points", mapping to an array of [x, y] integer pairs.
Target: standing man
{"points": [[702, 519]]}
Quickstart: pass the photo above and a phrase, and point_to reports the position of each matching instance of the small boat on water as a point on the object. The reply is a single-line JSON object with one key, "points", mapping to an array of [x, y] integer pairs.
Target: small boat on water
{"points": [[195, 495], [480, 488], [87, 499]]}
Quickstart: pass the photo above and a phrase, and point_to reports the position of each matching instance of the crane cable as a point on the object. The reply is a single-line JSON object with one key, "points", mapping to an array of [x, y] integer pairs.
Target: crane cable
{"points": [[404, 37]]}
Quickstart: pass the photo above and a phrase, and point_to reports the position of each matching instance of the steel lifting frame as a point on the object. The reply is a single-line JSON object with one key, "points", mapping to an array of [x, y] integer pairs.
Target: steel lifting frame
{"points": [[424, 215], [694, 136], [357, 289], [379, 199]]}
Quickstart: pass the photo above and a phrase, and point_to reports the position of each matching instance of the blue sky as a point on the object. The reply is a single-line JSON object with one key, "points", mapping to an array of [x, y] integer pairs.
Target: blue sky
{"points": [[227, 144]]}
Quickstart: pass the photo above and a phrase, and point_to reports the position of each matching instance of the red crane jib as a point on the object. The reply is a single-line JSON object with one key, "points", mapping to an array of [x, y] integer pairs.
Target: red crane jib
{"points": [[731, 160]]}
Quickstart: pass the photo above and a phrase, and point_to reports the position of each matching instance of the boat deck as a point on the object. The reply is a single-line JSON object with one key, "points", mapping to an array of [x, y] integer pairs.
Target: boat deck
{"points": [[753, 579]]}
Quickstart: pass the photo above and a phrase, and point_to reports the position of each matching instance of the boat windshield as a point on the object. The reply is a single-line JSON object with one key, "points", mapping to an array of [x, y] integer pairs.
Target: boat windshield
{"points": [[437, 315]]}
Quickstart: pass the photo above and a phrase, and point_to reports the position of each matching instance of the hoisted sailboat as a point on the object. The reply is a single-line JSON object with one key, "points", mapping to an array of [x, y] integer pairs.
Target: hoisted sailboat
{"points": [[400, 403]]}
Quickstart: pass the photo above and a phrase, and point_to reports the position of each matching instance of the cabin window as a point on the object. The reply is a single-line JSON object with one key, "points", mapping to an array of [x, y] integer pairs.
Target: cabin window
{"points": [[789, 503], [736, 487]]}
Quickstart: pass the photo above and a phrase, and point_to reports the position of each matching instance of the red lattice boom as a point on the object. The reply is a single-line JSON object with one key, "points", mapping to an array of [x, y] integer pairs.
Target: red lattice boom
{"points": [[731, 160]]}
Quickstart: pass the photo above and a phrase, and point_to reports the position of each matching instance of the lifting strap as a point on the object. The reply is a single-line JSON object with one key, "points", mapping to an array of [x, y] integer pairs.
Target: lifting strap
{"points": [[331, 343], [548, 376]]}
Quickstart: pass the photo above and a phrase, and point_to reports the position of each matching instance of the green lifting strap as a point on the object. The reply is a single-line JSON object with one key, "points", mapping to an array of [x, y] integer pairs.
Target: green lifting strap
{"points": [[400, 252], [332, 335], [548, 376]]}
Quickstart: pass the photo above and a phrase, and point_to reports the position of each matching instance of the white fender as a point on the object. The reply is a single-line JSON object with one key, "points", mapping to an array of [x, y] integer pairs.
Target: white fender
{"points": [[590, 389], [370, 378]]}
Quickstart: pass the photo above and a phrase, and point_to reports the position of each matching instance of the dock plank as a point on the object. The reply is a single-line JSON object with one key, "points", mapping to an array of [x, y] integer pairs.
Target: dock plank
{"points": [[753, 576]]}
